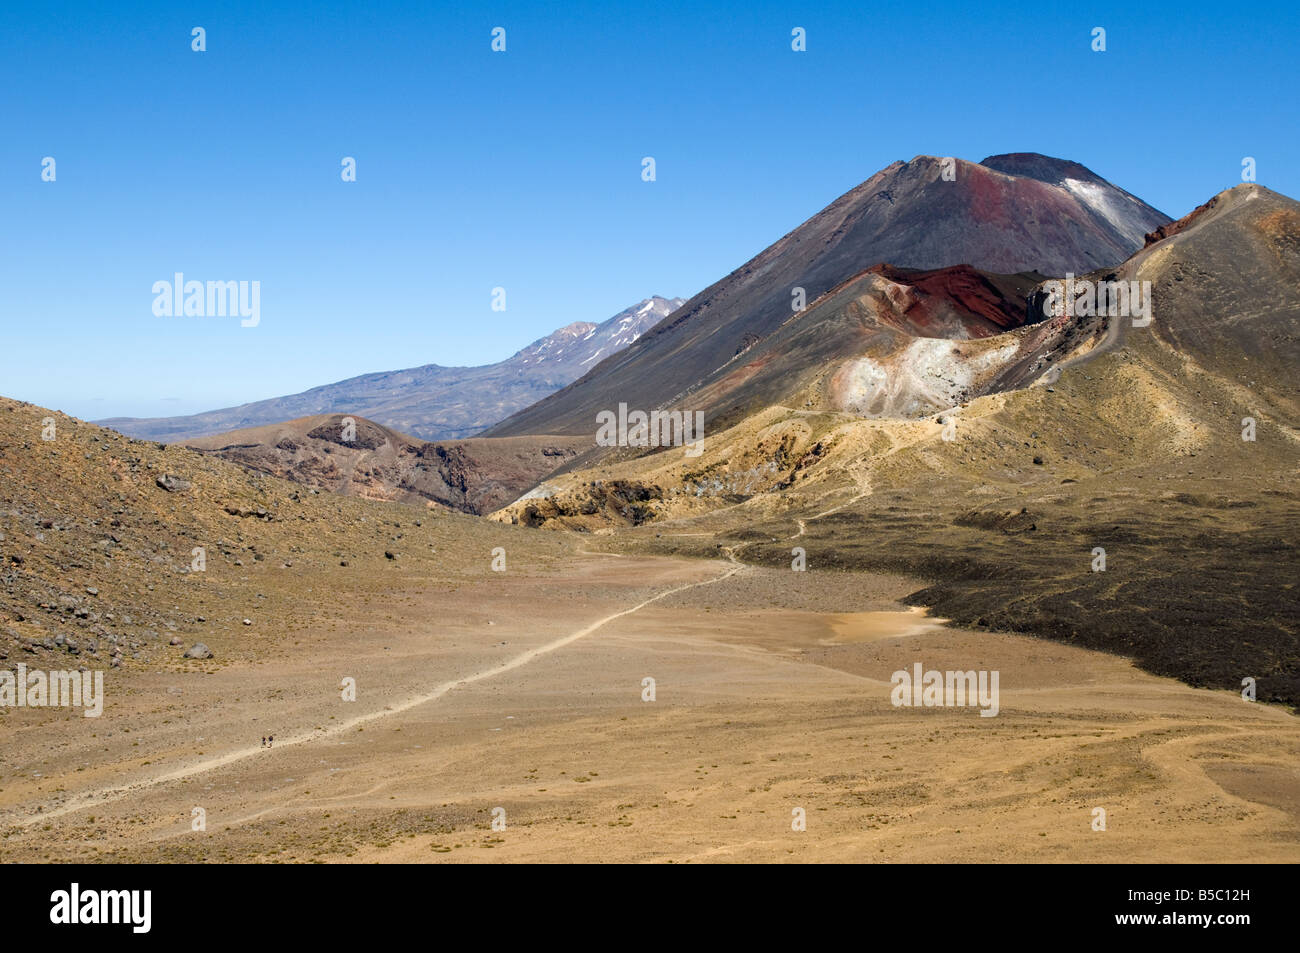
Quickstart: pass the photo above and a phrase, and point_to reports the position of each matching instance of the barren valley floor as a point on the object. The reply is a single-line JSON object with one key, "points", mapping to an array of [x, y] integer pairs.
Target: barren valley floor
{"points": [[524, 691]]}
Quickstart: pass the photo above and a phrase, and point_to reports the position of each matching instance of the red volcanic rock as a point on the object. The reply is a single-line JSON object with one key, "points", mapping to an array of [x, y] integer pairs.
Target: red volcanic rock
{"points": [[998, 299], [1170, 229]]}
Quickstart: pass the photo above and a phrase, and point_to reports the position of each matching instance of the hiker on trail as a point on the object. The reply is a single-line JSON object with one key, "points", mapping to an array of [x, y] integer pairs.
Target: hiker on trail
{"points": [[270, 740], [263, 741]]}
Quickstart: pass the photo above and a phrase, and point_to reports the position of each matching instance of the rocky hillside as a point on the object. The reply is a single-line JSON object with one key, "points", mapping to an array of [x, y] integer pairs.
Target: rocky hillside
{"points": [[121, 553], [353, 456]]}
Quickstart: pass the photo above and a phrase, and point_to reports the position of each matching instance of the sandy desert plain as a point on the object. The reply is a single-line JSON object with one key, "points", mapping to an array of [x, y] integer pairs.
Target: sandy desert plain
{"points": [[523, 690]]}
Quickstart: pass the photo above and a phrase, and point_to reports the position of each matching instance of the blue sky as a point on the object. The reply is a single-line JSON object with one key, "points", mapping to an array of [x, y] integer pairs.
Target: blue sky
{"points": [[523, 169]]}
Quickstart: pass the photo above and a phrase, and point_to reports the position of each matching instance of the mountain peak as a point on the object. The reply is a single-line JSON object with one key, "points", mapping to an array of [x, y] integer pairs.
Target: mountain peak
{"points": [[1035, 165], [1113, 207], [908, 215], [582, 345]]}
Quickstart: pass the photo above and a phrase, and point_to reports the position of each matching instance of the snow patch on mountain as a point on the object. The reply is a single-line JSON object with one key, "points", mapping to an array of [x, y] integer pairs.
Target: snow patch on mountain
{"points": [[1107, 201]]}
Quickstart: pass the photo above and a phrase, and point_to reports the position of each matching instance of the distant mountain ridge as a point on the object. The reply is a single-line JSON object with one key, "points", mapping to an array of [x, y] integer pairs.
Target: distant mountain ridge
{"points": [[431, 402]]}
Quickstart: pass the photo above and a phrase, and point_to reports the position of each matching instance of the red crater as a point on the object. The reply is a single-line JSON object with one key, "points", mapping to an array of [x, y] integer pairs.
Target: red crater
{"points": [[1000, 300]]}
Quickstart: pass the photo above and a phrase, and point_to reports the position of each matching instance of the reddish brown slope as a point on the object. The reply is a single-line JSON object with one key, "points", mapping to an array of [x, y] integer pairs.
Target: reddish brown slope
{"points": [[474, 476]]}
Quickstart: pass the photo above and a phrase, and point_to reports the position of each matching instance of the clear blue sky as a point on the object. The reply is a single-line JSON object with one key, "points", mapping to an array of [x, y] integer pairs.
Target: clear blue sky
{"points": [[523, 169]]}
